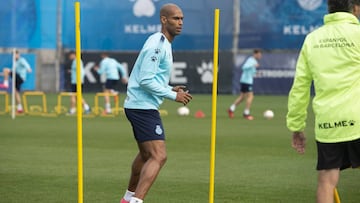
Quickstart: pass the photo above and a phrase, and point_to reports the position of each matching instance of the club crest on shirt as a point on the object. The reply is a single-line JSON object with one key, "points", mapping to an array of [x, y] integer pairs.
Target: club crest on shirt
{"points": [[158, 130], [153, 58]]}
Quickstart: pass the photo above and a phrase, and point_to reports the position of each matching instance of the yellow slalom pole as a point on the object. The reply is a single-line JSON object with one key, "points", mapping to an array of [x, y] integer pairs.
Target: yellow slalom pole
{"points": [[79, 102], [13, 84], [213, 107], [336, 196]]}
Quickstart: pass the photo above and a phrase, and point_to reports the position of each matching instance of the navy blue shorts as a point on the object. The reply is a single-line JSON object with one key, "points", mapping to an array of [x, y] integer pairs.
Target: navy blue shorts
{"points": [[146, 124], [18, 81], [73, 87], [340, 155], [246, 87], [111, 84]]}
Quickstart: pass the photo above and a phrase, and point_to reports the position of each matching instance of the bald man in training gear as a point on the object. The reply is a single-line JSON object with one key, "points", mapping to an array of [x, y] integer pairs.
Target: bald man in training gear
{"points": [[147, 88]]}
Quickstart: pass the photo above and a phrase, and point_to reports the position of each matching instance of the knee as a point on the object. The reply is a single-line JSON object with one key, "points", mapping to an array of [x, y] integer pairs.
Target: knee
{"points": [[161, 158], [328, 178], [6, 70]]}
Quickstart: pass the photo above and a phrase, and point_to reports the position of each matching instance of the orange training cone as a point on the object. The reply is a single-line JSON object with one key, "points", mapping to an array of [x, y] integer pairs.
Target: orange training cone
{"points": [[199, 114]]}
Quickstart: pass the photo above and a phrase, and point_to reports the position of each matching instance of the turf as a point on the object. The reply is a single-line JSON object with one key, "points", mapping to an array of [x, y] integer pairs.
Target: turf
{"points": [[254, 160]]}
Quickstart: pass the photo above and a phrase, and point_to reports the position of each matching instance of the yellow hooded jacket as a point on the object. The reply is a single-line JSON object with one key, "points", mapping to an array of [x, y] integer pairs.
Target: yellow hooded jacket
{"points": [[330, 58]]}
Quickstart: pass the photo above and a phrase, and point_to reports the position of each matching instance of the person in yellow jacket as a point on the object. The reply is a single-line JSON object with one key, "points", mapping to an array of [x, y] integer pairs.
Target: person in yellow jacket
{"points": [[330, 59]]}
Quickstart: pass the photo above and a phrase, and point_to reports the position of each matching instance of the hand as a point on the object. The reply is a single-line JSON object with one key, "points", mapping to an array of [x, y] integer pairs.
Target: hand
{"points": [[96, 67], [179, 88], [183, 97], [124, 80], [299, 142]]}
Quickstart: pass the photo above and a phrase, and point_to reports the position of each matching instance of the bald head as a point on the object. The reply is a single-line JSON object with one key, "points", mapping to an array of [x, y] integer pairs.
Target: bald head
{"points": [[168, 9], [171, 18]]}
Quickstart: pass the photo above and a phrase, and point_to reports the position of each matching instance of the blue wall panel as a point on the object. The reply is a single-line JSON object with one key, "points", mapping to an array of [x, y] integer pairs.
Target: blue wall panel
{"points": [[279, 24], [28, 24], [126, 25]]}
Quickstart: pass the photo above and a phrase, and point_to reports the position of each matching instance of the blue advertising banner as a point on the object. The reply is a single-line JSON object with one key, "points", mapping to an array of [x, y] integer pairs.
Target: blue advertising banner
{"points": [[30, 83], [28, 24], [125, 24], [192, 69], [279, 24]]}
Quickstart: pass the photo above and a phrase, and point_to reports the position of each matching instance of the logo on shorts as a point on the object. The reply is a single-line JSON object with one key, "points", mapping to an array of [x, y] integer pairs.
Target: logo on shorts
{"points": [[336, 124], [158, 130]]}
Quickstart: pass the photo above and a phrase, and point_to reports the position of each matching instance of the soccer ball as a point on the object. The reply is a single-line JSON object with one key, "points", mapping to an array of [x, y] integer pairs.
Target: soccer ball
{"points": [[268, 114], [183, 111]]}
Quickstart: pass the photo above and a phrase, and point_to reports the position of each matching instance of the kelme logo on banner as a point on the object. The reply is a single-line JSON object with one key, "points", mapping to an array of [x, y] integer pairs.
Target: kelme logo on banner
{"points": [[310, 5], [144, 8]]}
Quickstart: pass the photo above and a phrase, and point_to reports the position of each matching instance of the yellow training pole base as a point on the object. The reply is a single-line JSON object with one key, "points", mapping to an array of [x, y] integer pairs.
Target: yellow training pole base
{"points": [[59, 109], [163, 112], [336, 196], [6, 103], [115, 110], [34, 109]]}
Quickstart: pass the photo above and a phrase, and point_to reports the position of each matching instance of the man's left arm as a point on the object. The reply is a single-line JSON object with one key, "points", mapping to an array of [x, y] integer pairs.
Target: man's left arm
{"points": [[123, 76], [26, 65]]}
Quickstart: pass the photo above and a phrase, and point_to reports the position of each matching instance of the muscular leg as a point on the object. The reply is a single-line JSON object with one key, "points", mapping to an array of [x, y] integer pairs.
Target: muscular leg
{"points": [[239, 99], [18, 97], [136, 167], [107, 101], [73, 101], [153, 156], [249, 99], [6, 72], [327, 181]]}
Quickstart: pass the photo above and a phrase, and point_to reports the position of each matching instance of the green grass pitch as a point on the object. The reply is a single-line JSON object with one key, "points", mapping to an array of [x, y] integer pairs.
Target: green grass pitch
{"points": [[254, 160]]}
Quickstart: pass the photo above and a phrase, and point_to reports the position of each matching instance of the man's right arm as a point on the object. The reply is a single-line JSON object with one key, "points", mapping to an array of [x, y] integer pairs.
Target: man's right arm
{"points": [[299, 95]]}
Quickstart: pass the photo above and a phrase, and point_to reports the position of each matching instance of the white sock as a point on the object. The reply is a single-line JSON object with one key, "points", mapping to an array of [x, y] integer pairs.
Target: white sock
{"points": [[86, 107], [232, 107], [19, 107], [72, 110], [108, 107], [128, 195], [135, 200], [247, 111], [6, 82]]}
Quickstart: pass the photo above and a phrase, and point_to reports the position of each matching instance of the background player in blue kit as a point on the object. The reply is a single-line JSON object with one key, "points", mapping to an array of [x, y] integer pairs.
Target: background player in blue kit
{"points": [[111, 68], [147, 87], [22, 67], [246, 82], [72, 57]]}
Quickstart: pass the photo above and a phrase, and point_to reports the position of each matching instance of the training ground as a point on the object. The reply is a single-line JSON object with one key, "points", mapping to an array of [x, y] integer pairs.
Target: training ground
{"points": [[254, 160]]}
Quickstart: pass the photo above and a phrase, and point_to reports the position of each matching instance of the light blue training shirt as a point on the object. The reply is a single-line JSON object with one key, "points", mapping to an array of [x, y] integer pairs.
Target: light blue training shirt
{"points": [[149, 80], [248, 71], [73, 72], [111, 68], [21, 67]]}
